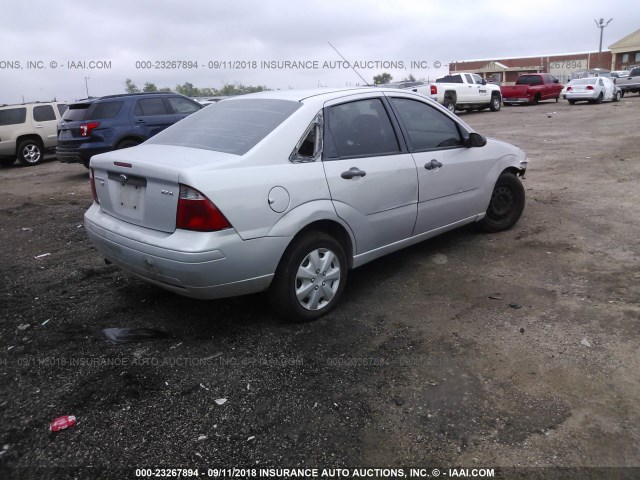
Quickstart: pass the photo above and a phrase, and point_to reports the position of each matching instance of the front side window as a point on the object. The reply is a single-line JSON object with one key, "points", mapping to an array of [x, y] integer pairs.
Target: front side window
{"points": [[43, 113], [13, 116], [182, 105], [477, 79], [427, 127], [361, 128]]}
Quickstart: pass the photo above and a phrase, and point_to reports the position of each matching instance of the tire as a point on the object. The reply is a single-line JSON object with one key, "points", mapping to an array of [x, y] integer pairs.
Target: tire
{"points": [[536, 100], [599, 99], [617, 96], [7, 162], [450, 105], [30, 152], [622, 94], [506, 204], [496, 103], [572, 102], [291, 293], [127, 144], [557, 98]]}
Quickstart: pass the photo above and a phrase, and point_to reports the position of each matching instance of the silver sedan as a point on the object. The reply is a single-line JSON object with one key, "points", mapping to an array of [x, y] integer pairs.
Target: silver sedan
{"points": [[592, 90], [287, 191]]}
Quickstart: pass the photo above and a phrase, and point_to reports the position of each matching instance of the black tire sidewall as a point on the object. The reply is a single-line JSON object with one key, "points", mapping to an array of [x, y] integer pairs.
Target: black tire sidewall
{"points": [[21, 148], [509, 180], [282, 290]]}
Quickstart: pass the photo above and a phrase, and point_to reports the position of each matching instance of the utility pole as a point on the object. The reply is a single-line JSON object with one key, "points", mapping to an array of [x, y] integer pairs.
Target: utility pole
{"points": [[601, 25]]}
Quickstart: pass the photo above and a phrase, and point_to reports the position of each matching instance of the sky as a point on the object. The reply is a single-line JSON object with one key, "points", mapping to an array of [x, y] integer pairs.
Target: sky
{"points": [[64, 49]]}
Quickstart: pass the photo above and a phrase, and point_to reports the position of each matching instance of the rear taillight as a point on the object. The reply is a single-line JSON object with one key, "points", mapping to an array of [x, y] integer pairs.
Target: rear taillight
{"points": [[589, 87], [197, 212], [87, 128], [93, 187], [434, 90]]}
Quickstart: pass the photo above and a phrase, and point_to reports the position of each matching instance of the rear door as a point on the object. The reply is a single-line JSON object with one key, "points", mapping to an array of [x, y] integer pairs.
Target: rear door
{"points": [[150, 116], [371, 176]]}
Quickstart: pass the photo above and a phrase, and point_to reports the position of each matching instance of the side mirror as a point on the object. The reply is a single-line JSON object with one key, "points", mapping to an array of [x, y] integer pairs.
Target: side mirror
{"points": [[476, 140], [484, 81]]}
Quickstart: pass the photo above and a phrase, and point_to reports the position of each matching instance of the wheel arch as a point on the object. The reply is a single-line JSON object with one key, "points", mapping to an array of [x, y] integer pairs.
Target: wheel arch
{"points": [[30, 136]]}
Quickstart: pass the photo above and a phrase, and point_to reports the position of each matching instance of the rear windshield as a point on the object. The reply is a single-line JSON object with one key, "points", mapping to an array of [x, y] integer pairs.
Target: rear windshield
{"points": [[583, 81], [76, 112], [13, 116], [233, 126], [529, 80]]}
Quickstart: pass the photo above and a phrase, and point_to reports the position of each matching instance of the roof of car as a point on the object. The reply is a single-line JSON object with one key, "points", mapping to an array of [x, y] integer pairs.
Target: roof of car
{"points": [[300, 95]]}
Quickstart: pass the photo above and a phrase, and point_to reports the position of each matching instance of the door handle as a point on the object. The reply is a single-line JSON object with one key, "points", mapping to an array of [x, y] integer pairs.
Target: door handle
{"points": [[140, 121], [353, 172], [38, 126], [432, 164]]}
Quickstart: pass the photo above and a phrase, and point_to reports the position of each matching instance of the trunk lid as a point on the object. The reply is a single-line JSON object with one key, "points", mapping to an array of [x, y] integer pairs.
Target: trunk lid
{"points": [[141, 185]]}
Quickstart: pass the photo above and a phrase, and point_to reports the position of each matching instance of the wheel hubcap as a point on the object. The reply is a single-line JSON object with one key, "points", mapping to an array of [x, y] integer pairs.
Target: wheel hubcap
{"points": [[31, 153], [317, 279], [451, 107], [502, 203]]}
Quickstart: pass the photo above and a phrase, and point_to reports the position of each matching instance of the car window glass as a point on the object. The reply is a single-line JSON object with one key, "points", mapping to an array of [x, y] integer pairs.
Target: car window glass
{"points": [[150, 106], [362, 128], [43, 113], [477, 79], [105, 110], [182, 105], [601, 83], [76, 112], [309, 145], [62, 108], [427, 127], [13, 116], [232, 126]]}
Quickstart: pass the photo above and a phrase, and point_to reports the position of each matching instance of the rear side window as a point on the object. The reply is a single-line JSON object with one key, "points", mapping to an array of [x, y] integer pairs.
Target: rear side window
{"points": [[76, 112], [182, 105], [13, 116], [150, 106], [450, 79], [105, 110], [43, 113], [234, 126], [362, 128], [427, 127], [62, 108]]}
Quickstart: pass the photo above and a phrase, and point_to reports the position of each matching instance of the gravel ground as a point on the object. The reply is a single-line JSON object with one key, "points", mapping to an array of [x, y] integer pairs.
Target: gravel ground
{"points": [[425, 363]]}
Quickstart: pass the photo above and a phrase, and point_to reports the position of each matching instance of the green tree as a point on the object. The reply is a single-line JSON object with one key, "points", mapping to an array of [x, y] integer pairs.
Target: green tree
{"points": [[188, 89], [410, 78], [382, 78], [130, 87], [149, 88]]}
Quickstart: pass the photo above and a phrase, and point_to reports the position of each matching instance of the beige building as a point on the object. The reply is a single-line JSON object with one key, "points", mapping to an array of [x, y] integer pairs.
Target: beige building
{"points": [[625, 53]]}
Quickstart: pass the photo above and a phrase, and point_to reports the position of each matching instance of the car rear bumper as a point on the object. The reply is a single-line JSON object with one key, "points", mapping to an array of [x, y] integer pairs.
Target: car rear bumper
{"points": [[74, 154], [233, 267]]}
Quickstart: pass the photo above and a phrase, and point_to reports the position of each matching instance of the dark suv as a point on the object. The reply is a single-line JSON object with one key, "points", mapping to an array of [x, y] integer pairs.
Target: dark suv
{"points": [[99, 125]]}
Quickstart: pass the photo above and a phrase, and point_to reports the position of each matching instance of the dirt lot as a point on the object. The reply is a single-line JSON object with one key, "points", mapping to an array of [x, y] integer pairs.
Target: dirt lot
{"points": [[424, 363]]}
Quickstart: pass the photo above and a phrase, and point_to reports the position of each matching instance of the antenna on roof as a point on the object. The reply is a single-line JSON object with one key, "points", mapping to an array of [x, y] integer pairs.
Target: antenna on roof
{"points": [[352, 68]]}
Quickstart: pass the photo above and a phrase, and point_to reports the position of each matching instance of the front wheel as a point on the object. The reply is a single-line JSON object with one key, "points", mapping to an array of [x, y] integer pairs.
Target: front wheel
{"points": [[506, 204], [572, 102], [310, 278], [495, 104], [617, 96], [30, 152]]}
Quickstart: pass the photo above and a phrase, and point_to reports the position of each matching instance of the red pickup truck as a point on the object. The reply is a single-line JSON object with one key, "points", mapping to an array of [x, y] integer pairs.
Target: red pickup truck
{"points": [[531, 88]]}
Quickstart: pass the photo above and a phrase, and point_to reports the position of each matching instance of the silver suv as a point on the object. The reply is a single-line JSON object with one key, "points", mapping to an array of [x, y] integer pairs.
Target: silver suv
{"points": [[28, 130]]}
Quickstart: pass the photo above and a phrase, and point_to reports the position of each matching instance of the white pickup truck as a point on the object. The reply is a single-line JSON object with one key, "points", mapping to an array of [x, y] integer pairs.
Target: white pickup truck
{"points": [[463, 91]]}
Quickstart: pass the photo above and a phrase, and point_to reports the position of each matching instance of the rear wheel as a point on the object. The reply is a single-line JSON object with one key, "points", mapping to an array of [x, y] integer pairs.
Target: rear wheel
{"points": [[310, 278], [450, 105], [30, 152], [506, 205], [536, 99], [572, 102], [599, 99], [496, 103]]}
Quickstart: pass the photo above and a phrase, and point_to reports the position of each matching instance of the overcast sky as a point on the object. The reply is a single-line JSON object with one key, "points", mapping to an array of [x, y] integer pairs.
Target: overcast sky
{"points": [[50, 34]]}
